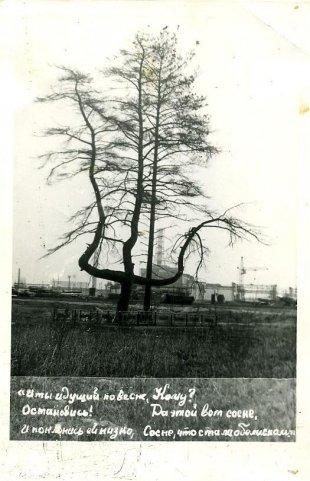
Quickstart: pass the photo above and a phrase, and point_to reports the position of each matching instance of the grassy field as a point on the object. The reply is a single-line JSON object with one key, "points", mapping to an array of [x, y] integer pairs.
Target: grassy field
{"points": [[265, 346]]}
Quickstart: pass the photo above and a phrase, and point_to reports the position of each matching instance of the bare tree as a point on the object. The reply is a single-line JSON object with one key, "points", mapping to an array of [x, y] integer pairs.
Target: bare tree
{"points": [[128, 115], [136, 147], [90, 147], [179, 131]]}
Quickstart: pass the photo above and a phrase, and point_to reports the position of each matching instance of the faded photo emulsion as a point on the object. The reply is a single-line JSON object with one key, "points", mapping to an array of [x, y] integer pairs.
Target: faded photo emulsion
{"points": [[154, 292]]}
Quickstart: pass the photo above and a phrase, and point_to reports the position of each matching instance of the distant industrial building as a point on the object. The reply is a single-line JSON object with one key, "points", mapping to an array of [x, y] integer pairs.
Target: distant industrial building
{"points": [[69, 284], [291, 292], [186, 284], [164, 271], [204, 291]]}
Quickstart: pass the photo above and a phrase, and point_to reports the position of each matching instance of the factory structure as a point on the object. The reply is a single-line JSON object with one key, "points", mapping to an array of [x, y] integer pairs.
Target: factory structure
{"points": [[203, 291], [186, 285]]}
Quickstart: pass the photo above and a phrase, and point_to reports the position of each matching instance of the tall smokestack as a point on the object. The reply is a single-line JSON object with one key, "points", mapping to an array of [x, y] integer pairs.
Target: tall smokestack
{"points": [[160, 247]]}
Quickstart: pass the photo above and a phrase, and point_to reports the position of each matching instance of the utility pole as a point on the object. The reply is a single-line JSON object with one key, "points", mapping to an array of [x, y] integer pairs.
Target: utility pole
{"points": [[18, 278], [240, 285], [69, 283]]}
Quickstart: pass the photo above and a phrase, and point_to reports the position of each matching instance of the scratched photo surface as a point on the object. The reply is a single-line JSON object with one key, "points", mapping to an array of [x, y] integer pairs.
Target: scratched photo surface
{"points": [[154, 248]]}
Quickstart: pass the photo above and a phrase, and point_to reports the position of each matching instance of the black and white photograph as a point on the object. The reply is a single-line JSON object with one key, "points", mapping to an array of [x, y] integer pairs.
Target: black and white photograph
{"points": [[155, 200]]}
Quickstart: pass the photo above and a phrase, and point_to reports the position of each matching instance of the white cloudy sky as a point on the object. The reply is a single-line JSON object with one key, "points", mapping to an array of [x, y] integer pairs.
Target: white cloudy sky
{"points": [[254, 70]]}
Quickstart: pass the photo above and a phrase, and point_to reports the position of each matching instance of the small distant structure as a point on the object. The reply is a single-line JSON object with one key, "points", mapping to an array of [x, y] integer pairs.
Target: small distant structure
{"points": [[21, 281], [254, 292], [290, 292], [241, 291]]}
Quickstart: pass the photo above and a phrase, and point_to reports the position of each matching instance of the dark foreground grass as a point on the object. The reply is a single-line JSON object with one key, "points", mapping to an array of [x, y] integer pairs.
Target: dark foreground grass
{"points": [[224, 351]]}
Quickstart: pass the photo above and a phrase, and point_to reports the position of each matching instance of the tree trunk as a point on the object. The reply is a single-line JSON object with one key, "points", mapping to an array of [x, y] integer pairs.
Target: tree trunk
{"points": [[149, 267], [147, 297], [126, 286], [123, 301]]}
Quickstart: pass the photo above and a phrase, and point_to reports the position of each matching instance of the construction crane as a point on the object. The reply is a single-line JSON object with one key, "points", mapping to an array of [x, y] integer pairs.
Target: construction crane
{"points": [[242, 272]]}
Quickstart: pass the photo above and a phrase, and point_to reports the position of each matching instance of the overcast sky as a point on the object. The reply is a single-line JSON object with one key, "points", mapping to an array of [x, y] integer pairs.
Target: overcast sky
{"points": [[254, 71]]}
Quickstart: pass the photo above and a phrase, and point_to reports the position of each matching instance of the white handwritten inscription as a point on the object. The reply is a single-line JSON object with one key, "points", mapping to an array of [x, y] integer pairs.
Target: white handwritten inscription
{"points": [[162, 394], [104, 414]]}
